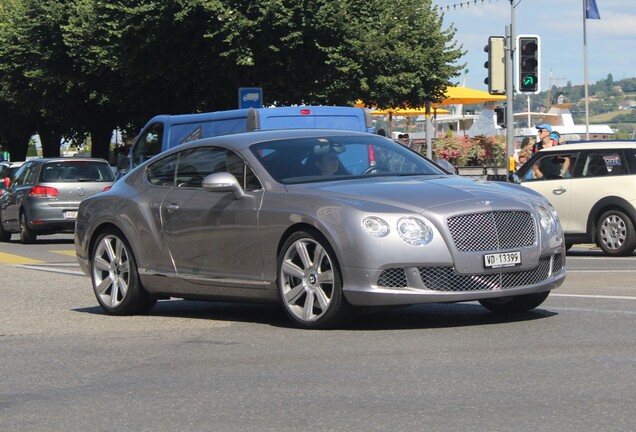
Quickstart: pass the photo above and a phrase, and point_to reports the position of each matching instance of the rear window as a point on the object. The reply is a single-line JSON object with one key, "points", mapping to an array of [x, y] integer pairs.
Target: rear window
{"points": [[76, 171]]}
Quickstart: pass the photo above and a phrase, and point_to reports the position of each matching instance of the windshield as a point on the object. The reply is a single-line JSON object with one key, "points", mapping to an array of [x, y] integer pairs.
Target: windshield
{"points": [[73, 171], [301, 160]]}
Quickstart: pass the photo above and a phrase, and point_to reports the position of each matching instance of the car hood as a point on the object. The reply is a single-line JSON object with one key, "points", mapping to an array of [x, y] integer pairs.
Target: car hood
{"points": [[419, 193]]}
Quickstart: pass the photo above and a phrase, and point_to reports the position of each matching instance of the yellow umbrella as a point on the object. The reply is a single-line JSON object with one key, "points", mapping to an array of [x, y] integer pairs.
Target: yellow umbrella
{"points": [[466, 96]]}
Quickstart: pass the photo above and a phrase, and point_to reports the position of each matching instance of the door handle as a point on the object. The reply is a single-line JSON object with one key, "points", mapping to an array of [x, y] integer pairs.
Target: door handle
{"points": [[171, 208], [559, 191]]}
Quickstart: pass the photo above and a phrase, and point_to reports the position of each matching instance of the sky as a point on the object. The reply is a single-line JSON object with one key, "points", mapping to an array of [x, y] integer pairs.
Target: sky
{"points": [[611, 41]]}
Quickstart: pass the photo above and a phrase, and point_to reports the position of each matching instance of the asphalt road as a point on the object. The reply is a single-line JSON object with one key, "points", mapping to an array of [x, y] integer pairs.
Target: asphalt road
{"points": [[197, 366]]}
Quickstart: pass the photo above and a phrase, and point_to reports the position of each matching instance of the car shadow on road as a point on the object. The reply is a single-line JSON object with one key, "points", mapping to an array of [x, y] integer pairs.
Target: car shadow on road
{"points": [[440, 315], [45, 241], [411, 317]]}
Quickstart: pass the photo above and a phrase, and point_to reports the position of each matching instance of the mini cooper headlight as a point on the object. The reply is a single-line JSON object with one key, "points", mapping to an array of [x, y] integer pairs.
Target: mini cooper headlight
{"points": [[546, 219], [375, 226], [414, 231]]}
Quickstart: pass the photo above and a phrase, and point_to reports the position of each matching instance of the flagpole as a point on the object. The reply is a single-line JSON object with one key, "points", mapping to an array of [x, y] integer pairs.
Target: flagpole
{"points": [[587, 112]]}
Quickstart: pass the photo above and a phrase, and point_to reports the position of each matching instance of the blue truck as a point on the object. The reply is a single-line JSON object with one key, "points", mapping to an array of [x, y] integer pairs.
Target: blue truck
{"points": [[166, 131]]}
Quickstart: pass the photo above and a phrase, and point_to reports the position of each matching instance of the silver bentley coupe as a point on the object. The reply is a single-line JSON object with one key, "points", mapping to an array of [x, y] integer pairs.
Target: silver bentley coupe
{"points": [[322, 221]]}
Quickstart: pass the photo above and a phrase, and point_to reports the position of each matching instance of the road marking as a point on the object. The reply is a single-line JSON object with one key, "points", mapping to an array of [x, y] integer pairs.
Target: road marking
{"points": [[54, 268], [595, 296], [70, 253], [596, 258], [6, 258], [601, 271]]}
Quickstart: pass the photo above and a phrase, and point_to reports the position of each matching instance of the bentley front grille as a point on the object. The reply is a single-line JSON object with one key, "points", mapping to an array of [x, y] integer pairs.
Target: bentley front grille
{"points": [[497, 230]]}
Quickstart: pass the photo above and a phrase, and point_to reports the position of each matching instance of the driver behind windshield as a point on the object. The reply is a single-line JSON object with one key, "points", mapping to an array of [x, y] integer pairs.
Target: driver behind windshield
{"points": [[325, 162]]}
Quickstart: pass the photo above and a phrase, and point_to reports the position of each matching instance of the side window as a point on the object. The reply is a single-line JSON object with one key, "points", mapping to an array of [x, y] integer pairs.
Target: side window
{"points": [[148, 144], [188, 168], [185, 133], [551, 167], [196, 164], [236, 166], [602, 163], [616, 164], [21, 174], [162, 172]]}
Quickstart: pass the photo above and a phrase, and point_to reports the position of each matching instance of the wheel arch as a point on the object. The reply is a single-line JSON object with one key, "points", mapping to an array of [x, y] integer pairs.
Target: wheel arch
{"points": [[315, 231], [301, 226], [106, 226], [605, 204]]}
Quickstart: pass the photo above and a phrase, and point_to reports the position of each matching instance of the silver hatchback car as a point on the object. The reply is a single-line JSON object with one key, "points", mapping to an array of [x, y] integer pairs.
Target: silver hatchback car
{"points": [[45, 193], [320, 221]]}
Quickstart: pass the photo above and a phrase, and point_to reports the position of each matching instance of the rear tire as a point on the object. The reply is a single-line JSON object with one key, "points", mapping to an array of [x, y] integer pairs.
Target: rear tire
{"points": [[115, 277], [27, 236], [515, 304], [615, 233]]}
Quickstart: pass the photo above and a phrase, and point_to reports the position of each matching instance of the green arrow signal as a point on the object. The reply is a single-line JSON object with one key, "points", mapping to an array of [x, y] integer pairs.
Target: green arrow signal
{"points": [[528, 81]]}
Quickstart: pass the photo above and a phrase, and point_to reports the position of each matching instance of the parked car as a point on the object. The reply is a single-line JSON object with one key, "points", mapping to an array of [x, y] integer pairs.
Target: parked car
{"points": [[44, 194], [278, 216], [592, 186], [7, 169]]}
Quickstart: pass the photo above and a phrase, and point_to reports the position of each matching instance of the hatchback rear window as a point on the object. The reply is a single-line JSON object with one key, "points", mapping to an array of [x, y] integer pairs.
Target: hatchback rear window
{"points": [[74, 171]]}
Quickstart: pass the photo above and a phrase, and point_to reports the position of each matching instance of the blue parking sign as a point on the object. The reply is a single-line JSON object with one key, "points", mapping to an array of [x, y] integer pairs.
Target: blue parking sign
{"points": [[250, 97]]}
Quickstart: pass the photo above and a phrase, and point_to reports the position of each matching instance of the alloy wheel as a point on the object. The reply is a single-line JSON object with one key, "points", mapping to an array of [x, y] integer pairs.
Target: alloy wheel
{"points": [[111, 271], [307, 280]]}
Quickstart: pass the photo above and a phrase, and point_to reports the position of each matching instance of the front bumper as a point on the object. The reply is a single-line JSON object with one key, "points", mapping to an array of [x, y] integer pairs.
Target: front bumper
{"points": [[414, 285]]}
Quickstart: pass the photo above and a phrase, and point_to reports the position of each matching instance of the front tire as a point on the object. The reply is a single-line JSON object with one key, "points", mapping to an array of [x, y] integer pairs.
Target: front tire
{"points": [[309, 282], [27, 236], [515, 304], [115, 277], [615, 233]]}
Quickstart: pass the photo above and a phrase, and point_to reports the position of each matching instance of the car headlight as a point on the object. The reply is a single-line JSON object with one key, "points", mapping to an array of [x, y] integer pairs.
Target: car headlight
{"points": [[554, 213], [375, 226], [414, 231], [546, 219]]}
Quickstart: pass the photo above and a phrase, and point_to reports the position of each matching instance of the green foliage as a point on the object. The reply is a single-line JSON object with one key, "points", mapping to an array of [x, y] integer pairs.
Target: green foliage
{"points": [[78, 67], [629, 117]]}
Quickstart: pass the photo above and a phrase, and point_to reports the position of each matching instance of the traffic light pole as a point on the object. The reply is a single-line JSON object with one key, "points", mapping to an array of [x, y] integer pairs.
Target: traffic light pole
{"points": [[510, 90]]}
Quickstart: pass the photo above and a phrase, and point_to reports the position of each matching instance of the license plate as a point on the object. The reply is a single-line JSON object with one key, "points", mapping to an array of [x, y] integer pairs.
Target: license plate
{"points": [[505, 259], [70, 215]]}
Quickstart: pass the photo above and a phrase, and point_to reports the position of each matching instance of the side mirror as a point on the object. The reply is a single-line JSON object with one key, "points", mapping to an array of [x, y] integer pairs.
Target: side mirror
{"points": [[514, 178], [223, 182]]}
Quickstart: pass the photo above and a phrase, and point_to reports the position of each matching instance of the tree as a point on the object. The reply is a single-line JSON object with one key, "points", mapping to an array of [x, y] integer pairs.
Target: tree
{"points": [[84, 67], [34, 67], [338, 52]]}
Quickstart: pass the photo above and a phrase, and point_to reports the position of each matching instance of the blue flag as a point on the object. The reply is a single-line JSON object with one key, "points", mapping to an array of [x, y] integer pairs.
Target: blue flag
{"points": [[591, 10]]}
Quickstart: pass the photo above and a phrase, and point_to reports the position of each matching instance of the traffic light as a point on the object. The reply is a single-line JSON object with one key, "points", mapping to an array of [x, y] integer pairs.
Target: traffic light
{"points": [[496, 65], [528, 64]]}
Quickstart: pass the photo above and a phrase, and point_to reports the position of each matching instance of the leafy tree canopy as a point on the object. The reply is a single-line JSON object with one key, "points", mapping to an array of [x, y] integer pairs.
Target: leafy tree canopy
{"points": [[78, 67]]}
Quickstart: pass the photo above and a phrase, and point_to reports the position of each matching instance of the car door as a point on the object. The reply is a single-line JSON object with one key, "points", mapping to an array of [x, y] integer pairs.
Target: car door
{"points": [[212, 236], [544, 176], [597, 175]]}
